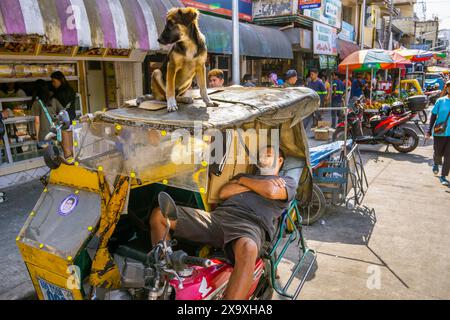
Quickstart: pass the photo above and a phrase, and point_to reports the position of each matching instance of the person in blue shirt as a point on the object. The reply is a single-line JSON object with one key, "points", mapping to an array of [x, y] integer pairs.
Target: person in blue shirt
{"points": [[317, 85], [337, 94], [440, 116], [358, 85]]}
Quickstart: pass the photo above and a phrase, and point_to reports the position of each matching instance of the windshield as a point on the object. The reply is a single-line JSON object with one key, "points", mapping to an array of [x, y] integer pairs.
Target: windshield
{"points": [[177, 159]]}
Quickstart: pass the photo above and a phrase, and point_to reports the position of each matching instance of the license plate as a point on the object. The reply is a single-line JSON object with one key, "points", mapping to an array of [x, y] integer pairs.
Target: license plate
{"points": [[54, 293]]}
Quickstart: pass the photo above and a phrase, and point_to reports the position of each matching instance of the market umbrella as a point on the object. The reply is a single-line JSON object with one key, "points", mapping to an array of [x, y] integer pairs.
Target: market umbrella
{"points": [[365, 60], [415, 55], [436, 69]]}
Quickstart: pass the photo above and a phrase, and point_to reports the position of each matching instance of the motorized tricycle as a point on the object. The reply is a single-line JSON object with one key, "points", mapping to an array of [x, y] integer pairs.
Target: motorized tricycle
{"points": [[88, 236]]}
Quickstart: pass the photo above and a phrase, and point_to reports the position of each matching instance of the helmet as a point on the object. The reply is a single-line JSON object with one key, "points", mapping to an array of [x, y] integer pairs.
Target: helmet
{"points": [[398, 108], [385, 110]]}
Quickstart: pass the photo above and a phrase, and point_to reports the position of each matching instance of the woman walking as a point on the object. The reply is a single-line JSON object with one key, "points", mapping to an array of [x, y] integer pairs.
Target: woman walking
{"points": [[440, 129]]}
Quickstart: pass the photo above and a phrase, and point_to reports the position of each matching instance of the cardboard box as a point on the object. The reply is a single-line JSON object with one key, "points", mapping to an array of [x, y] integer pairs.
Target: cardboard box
{"points": [[322, 134], [324, 124]]}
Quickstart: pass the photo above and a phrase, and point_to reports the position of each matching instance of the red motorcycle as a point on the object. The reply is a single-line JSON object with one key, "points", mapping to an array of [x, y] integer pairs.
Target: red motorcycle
{"points": [[385, 128]]}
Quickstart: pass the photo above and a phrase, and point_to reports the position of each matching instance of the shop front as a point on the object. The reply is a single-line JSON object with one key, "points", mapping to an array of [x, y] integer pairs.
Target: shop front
{"points": [[98, 46]]}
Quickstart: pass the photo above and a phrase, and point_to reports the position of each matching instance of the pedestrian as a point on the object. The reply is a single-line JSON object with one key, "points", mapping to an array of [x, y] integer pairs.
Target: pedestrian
{"points": [[216, 78], [358, 85], [317, 85], [338, 91], [291, 79], [440, 129], [247, 81], [44, 108], [273, 78], [64, 93]]}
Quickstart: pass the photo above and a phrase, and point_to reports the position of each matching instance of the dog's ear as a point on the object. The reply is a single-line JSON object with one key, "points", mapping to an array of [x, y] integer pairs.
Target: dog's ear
{"points": [[188, 15]]}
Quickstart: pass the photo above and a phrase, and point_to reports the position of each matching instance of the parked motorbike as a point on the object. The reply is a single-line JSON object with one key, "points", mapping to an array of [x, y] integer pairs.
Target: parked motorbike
{"points": [[386, 127], [53, 150], [433, 93], [164, 274]]}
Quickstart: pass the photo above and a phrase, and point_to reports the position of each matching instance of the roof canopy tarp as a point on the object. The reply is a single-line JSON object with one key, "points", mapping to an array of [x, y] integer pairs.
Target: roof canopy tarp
{"points": [[255, 41], [117, 24], [237, 106], [345, 48]]}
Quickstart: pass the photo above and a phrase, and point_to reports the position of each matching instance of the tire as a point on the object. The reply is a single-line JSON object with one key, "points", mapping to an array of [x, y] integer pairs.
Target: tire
{"points": [[317, 207], [409, 134], [423, 117], [339, 134], [52, 157]]}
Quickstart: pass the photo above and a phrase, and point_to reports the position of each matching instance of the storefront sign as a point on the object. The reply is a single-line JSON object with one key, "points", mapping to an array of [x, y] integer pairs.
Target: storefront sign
{"points": [[327, 62], [273, 8], [347, 33], [309, 4], [222, 7], [325, 39], [329, 13]]}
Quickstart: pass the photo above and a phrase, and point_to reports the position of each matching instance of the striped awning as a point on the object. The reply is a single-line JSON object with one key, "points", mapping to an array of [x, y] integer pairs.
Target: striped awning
{"points": [[117, 24]]}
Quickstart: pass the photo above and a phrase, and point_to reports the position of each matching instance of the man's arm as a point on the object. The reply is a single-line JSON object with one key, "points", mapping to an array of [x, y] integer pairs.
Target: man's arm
{"points": [[231, 189], [273, 189]]}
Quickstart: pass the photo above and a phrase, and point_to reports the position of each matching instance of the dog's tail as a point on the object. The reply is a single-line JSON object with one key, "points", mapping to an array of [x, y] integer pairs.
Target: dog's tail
{"points": [[141, 99]]}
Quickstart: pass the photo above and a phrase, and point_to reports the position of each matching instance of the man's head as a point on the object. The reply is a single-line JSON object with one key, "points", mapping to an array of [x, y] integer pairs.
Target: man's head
{"points": [[359, 76], [178, 25], [270, 161], [216, 78], [447, 87], [335, 76], [291, 77], [314, 74]]}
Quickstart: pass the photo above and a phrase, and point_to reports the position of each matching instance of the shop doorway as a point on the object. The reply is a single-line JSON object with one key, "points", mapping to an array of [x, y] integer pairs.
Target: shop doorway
{"points": [[95, 86]]}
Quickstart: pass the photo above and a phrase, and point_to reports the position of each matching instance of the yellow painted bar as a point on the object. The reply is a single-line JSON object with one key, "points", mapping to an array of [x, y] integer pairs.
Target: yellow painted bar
{"points": [[76, 177]]}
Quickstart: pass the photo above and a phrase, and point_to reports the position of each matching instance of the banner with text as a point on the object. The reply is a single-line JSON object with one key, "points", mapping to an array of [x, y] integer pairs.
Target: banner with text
{"points": [[309, 4], [324, 39], [329, 13], [223, 7]]}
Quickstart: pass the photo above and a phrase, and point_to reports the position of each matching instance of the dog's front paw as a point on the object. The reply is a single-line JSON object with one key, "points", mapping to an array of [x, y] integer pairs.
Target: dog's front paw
{"points": [[212, 104], [172, 105]]}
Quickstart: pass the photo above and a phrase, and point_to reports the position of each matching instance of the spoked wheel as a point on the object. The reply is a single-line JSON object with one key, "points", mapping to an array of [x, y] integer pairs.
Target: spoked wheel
{"points": [[423, 117], [316, 208], [410, 139]]}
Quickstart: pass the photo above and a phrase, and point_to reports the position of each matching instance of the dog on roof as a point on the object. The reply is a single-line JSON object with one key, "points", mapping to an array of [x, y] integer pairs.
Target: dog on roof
{"points": [[185, 61]]}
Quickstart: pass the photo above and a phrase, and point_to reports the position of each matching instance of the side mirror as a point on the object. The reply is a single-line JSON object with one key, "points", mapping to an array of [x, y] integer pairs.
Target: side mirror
{"points": [[168, 207]]}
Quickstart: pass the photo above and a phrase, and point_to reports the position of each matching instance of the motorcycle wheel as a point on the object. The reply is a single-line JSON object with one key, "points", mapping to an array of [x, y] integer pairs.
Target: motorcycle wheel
{"points": [[423, 117], [339, 135], [52, 157], [316, 209], [411, 137]]}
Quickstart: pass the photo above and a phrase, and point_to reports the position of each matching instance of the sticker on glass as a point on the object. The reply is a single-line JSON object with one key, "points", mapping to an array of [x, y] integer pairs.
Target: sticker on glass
{"points": [[68, 205]]}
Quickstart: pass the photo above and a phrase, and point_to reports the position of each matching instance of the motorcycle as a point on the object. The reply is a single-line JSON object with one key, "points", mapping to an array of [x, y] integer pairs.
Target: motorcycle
{"points": [[385, 128], [165, 274], [433, 93]]}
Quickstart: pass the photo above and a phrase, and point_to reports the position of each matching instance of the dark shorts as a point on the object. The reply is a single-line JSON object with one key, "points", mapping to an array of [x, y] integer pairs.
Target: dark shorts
{"points": [[218, 229]]}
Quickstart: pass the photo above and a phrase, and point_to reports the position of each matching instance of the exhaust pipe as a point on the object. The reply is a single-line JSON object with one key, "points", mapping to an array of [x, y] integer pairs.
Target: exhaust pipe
{"points": [[394, 141]]}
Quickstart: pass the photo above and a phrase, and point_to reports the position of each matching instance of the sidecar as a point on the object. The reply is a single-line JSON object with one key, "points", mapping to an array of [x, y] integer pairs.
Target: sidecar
{"points": [[124, 158]]}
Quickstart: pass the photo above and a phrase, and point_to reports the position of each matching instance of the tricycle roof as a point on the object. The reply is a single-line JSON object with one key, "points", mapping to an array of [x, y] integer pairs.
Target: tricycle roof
{"points": [[237, 106]]}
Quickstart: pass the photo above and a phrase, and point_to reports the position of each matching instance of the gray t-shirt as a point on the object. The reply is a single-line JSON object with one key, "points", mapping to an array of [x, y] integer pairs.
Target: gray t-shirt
{"points": [[259, 209]]}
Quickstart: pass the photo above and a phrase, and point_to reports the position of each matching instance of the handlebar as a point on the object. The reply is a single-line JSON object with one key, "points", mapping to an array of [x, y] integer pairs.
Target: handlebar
{"points": [[196, 261], [132, 253]]}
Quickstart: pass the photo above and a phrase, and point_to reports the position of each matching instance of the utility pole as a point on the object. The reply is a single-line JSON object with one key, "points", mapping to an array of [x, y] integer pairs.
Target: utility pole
{"points": [[236, 50], [363, 22], [391, 10]]}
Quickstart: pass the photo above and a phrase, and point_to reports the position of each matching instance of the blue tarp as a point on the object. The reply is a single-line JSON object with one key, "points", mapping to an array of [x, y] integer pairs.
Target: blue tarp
{"points": [[317, 154]]}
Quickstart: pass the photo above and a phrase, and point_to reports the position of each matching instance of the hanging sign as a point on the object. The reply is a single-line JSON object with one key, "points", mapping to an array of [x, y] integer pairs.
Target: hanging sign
{"points": [[309, 4], [324, 39]]}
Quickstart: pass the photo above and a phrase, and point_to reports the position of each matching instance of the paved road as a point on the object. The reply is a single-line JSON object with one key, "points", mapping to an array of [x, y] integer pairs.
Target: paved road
{"points": [[15, 281], [396, 246]]}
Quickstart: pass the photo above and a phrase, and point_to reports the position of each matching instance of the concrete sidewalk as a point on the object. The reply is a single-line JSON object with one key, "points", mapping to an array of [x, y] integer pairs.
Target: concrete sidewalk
{"points": [[397, 245]]}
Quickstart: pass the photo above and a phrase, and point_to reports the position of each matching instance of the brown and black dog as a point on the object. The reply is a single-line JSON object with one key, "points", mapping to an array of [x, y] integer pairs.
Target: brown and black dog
{"points": [[185, 60]]}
